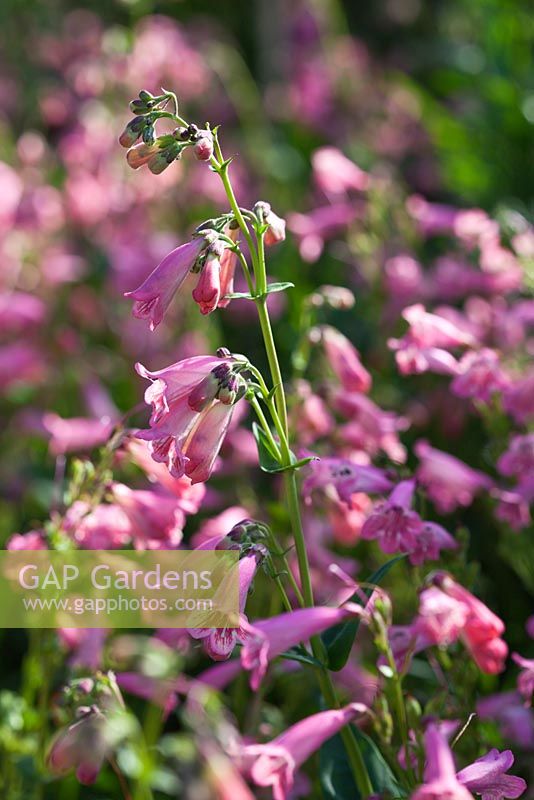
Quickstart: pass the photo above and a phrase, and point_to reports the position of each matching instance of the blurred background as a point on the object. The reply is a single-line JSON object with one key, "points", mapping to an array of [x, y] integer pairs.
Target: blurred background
{"points": [[433, 98]]}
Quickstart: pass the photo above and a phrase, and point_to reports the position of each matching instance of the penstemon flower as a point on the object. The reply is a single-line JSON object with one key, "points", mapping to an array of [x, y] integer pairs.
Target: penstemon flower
{"points": [[192, 406]]}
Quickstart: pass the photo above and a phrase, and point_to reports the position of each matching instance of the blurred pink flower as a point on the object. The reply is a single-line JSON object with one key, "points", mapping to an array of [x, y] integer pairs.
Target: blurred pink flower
{"points": [[105, 527], [508, 709], [156, 518], [81, 746], [440, 779], [519, 457], [346, 477], [77, 433], [518, 399], [343, 358], [370, 428], [480, 376], [448, 481], [312, 230], [525, 681], [393, 523], [335, 174], [32, 540]]}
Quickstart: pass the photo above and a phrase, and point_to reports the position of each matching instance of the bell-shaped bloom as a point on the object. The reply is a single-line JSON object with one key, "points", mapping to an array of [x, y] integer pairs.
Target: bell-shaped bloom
{"points": [[519, 399], [228, 264], [346, 477], [207, 292], [312, 419], [465, 617], [154, 296], [265, 640], [431, 218], [219, 643], [343, 358], [480, 376], [161, 692], [393, 523], [105, 527], [405, 641], [82, 746], [203, 147], [431, 539], [512, 508], [525, 681], [335, 174], [275, 763], [433, 330], [448, 481], [192, 405], [32, 540], [515, 720], [440, 779], [276, 232], [487, 777], [519, 457], [77, 433], [156, 517], [370, 428]]}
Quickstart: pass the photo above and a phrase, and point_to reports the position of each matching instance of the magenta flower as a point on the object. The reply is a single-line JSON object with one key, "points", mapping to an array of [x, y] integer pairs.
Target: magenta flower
{"points": [[156, 518], [346, 477], [335, 174], [487, 777], [343, 358], [77, 433], [154, 296], [319, 225], [512, 508], [32, 540], [106, 527], [275, 763], [207, 292], [451, 611], [519, 399], [448, 481], [265, 640], [480, 376], [525, 681], [440, 779], [508, 709], [370, 428], [83, 746], [393, 523], [192, 405], [219, 643], [519, 458]]}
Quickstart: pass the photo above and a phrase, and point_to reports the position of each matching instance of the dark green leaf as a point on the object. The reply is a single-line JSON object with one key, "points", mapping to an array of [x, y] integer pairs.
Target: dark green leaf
{"points": [[268, 459], [302, 657], [337, 781], [339, 639]]}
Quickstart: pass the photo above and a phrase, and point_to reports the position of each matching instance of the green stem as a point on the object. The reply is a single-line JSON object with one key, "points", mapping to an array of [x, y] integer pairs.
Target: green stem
{"points": [[400, 713]]}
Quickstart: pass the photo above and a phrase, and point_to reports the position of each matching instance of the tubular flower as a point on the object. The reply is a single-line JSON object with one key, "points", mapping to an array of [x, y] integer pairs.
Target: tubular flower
{"points": [[82, 746], [487, 777], [228, 265], [154, 296], [346, 477], [393, 523], [440, 779], [343, 358], [275, 763], [265, 640], [156, 517], [192, 405], [448, 481], [207, 292], [449, 611]]}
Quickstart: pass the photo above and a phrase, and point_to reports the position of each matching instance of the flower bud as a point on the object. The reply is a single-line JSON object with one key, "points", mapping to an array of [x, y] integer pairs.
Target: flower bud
{"points": [[203, 148], [140, 154], [205, 391], [164, 158], [132, 131], [276, 232], [149, 134]]}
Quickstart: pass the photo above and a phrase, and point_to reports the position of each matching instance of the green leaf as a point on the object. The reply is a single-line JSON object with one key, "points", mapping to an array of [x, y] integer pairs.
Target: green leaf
{"points": [[239, 296], [336, 777], [301, 657], [339, 639], [279, 287], [268, 458]]}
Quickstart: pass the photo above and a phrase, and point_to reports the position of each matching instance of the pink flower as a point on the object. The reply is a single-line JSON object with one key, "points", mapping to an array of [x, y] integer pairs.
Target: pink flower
{"points": [[431, 539], [529, 625], [519, 399], [33, 540], [370, 428], [404, 279], [486, 777], [432, 218], [228, 265], [265, 640], [275, 763], [192, 405], [105, 527], [156, 518], [434, 330], [450, 611], [276, 232], [479, 376], [77, 433], [312, 419], [512, 508], [393, 523], [507, 708], [519, 458], [82, 746], [219, 643], [346, 477], [448, 481], [525, 682], [440, 779], [161, 692], [335, 174], [207, 292], [154, 296], [203, 148], [405, 641], [189, 496], [86, 644], [343, 358], [319, 225]]}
